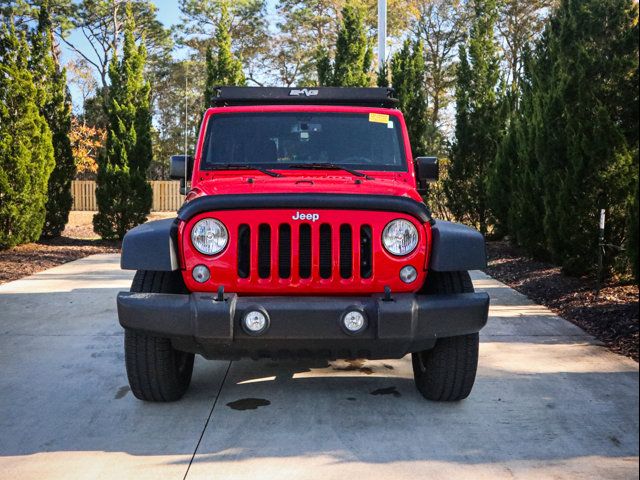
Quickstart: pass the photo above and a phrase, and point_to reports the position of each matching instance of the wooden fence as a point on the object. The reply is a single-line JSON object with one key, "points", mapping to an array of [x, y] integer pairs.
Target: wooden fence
{"points": [[166, 195]]}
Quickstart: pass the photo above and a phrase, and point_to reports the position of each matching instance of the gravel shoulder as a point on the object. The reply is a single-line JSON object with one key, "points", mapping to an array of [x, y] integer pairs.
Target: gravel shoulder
{"points": [[611, 316]]}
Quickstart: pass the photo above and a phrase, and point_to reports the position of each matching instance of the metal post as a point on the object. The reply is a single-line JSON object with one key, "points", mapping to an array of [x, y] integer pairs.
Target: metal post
{"points": [[186, 117], [186, 126], [600, 250], [382, 32]]}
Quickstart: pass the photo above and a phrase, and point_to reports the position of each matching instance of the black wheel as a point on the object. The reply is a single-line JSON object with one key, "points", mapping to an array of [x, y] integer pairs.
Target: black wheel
{"points": [[157, 372], [448, 370]]}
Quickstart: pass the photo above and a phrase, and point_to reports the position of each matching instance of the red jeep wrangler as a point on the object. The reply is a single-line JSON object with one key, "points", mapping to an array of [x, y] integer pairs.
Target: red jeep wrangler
{"points": [[303, 234]]}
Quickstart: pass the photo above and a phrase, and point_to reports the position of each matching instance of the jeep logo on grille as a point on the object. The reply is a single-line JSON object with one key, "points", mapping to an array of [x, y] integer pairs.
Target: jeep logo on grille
{"points": [[305, 216], [303, 92]]}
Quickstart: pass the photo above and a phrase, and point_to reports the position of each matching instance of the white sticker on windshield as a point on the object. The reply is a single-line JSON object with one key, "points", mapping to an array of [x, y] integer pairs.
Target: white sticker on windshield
{"points": [[389, 124]]}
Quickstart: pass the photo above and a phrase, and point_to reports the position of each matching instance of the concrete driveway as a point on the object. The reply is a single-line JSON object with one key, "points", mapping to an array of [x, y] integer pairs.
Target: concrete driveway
{"points": [[549, 402]]}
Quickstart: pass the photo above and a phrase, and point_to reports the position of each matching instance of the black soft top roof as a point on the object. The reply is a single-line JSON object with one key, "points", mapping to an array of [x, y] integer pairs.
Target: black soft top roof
{"points": [[358, 97]]}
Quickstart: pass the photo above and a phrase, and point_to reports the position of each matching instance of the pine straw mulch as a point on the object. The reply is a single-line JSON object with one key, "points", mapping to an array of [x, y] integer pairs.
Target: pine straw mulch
{"points": [[77, 241], [611, 317], [31, 258]]}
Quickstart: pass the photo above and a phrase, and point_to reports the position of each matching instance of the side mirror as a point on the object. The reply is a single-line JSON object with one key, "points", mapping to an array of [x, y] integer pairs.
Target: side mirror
{"points": [[181, 167], [427, 171]]}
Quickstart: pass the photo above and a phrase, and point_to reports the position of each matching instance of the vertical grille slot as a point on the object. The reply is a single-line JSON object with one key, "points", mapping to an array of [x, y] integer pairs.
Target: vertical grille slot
{"points": [[244, 251], [284, 250], [366, 252], [346, 253], [304, 252], [325, 250], [264, 251]]}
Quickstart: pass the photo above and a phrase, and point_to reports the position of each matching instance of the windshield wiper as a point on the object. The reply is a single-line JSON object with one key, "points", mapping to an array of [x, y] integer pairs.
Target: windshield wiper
{"points": [[236, 166], [329, 166]]}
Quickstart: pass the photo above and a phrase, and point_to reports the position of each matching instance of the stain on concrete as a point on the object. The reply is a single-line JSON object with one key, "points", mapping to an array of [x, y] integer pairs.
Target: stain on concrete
{"points": [[122, 391], [615, 440], [351, 399], [386, 391], [354, 366], [248, 403], [387, 366]]}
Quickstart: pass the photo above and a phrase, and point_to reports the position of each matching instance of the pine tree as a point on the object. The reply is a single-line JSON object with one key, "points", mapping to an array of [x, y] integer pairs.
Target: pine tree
{"points": [[223, 68], [479, 120], [122, 193], [26, 151], [56, 108], [407, 77], [588, 147], [353, 56]]}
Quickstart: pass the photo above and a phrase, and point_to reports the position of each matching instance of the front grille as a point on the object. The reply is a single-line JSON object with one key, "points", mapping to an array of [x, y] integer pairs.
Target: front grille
{"points": [[305, 251], [264, 251], [366, 252], [346, 251], [244, 251], [284, 250], [323, 251]]}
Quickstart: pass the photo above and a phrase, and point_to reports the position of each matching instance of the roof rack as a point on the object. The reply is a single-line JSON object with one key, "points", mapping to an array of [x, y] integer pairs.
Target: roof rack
{"points": [[359, 97]]}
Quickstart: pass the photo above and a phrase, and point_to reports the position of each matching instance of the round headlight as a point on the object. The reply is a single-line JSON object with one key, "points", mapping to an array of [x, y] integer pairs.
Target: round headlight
{"points": [[400, 237], [209, 236]]}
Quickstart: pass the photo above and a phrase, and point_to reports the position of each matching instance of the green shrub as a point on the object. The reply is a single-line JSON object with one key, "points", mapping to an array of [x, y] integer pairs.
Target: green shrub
{"points": [[122, 193], [479, 120], [56, 108], [26, 152]]}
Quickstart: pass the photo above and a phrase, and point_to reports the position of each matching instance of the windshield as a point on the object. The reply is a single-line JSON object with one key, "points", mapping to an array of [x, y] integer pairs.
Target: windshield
{"points": [[283, 140]]}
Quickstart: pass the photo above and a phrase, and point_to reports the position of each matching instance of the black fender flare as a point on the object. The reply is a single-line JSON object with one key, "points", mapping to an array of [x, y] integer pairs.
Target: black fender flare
{"points": [[456, 247], [151, 246]]}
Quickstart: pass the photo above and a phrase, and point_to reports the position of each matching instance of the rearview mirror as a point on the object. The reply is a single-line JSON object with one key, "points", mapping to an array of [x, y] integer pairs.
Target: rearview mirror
{"points": [[180, 167], [427, 171]]}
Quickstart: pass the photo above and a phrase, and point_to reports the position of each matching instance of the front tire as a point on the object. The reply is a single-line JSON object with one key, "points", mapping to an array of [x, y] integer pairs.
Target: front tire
{"points": [[157, 372], [447, 371]]}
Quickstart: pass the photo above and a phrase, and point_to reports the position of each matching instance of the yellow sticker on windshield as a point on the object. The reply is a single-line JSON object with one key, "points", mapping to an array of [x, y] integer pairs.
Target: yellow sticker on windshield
{"points": [[379, 118]]}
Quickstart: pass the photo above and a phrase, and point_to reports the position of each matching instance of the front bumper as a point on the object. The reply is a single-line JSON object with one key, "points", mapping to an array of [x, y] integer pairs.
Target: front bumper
{"points": [[303, 326]]}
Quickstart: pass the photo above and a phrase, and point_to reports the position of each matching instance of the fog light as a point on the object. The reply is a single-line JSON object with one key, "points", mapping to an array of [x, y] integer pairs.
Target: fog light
{"points": [[354, 321], [255, 322], [201, 273], [408, 274]]}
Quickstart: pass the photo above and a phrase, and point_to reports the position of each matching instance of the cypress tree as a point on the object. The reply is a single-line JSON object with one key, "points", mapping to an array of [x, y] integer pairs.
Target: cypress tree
{"points": [[588, 150], [223, 68], [507, 171], [407, 77], [478, 120], [531, 134], [382, 79], [461, 150], [56, 108], [324, 68], [26, 151], [122, 192], [353, 57], [500, 178]]}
